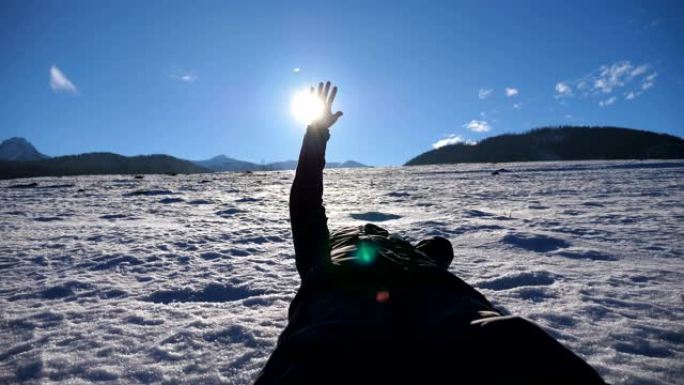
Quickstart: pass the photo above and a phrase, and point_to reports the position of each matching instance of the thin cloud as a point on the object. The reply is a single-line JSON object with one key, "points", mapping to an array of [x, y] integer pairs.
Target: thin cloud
{"points": [[296, 70], [563, 90], [607, 102], [640, 70], [478, 126], [621, 77], [484, 93], [614, 76], [187, 77], [646, 83], [60, 83], [511, 92], [452, 139], [649, 81]]}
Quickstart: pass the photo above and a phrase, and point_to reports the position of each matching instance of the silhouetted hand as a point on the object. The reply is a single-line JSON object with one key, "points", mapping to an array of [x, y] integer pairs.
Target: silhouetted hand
{"points": [[327, 119]]}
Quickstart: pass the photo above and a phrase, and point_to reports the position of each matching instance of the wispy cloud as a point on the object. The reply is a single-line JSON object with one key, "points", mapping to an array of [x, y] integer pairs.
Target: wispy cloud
{"points": [[185, 77], [607, 102], [478, 126], [613, 76], [484, 93], [511, 92], [623, 76], [649, 81], [563, 90], [452, 139], [60, 83], [640, 70]]}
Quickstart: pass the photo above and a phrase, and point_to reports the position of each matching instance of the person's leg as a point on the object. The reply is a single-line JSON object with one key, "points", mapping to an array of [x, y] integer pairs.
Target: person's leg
{"points": [[522, 352]]}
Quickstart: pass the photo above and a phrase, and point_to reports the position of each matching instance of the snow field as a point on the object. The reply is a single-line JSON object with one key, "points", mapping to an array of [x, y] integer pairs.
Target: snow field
{"points": [[187, 279]]}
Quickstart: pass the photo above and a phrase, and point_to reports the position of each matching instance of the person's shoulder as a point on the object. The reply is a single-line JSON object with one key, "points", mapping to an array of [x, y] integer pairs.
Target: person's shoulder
{"points": [[365, 229], [345, 231], [372, 229]]}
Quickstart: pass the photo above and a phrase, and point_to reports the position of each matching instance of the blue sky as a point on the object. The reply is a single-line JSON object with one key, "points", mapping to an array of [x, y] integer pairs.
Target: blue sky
{"points": [[197, 79]]}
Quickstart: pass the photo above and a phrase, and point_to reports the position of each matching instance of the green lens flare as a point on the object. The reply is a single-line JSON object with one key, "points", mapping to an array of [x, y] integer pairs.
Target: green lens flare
{"points": [[366, 253]]}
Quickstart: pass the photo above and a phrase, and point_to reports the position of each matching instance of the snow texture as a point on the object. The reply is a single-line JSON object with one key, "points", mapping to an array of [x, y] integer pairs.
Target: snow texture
{"points": [[187, 279]]}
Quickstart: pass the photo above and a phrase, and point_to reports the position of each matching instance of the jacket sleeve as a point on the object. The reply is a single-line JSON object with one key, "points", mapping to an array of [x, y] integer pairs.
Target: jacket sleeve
{"points": [[307, 214]]}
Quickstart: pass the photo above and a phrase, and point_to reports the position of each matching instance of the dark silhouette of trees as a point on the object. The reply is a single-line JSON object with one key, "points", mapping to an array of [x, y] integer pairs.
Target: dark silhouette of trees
{"points": [[99, 164], [560, 143]]}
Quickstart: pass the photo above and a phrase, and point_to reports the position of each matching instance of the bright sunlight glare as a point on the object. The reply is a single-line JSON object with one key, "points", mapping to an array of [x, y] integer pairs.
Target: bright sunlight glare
{"points": [[306, 107]]}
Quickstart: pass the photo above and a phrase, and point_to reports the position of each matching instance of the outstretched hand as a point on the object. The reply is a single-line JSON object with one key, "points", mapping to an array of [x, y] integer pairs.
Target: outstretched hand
{"points": [[327, 118]]}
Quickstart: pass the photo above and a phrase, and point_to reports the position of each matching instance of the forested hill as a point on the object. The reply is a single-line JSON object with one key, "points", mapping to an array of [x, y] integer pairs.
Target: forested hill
{"points": [[97, 164], [560, 143]]}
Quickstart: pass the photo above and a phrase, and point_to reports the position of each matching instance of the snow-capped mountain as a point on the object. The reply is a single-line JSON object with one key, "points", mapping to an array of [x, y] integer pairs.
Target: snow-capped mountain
{"points": [[20, 160], [560, 143], [226, 163], [346, 164], [19, 149]]}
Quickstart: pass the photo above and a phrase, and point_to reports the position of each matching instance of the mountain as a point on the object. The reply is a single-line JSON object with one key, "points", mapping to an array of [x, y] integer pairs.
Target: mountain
{"points": [[224, 163], [97, 164], [560, 143], [19, 159], [284, 165], [347, 164], [19, 149], [292, 164]]}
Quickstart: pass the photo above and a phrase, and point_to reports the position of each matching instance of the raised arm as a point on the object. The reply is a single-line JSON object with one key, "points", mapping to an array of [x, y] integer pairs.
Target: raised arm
{"points": [[307, 214]]}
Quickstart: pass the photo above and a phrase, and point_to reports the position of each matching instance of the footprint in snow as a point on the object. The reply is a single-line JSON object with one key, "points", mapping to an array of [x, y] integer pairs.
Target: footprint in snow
{"points": [[228, 212], [511, 281], [374, 216], [171, 200], [535, 242]]}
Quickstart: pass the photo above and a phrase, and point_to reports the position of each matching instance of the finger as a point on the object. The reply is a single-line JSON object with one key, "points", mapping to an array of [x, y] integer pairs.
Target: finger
{"points": [[326, 91], [336, 116], [331, 99], [320, 89]]}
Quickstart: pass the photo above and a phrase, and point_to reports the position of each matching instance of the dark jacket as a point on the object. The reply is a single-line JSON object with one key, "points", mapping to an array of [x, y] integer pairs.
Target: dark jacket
{"points": [[374, 310]]}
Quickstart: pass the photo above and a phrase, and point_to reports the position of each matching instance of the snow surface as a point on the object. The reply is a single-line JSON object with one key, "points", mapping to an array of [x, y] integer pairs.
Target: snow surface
{"points": [[187, 279]]}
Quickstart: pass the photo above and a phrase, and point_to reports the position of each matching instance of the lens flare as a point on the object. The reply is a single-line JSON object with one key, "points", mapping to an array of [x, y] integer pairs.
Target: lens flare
{"points": [[306, 107], [382, 296], [366, 253]]}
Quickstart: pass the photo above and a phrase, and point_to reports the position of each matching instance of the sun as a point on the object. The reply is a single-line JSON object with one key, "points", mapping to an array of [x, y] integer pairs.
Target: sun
{"points": [[306, 107]]}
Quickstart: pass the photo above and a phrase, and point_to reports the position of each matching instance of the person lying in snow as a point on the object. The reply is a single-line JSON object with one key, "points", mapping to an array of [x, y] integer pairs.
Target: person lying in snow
{"points": [[375, 309]]}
